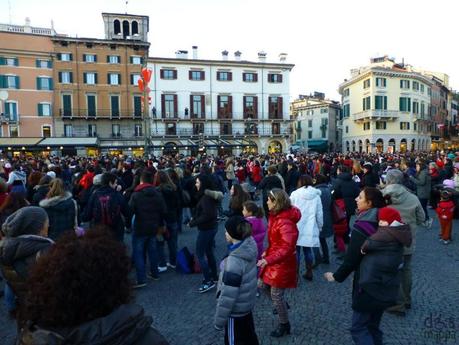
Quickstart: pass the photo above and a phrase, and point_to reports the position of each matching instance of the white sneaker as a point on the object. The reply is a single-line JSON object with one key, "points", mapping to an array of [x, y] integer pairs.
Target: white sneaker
{"points": [[162, 269], [428, 223], [170, 265]]}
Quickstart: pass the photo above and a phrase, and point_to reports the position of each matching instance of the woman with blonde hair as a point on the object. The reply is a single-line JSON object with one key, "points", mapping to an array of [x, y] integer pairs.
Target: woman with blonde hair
{"points": [[61, 208]]}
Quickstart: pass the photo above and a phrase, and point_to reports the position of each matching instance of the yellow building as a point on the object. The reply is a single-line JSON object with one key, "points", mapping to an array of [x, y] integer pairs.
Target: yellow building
{"points": [[386, 108]]}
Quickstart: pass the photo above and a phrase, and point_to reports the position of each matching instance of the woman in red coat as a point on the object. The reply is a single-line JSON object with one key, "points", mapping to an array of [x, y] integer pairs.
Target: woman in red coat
{"points": [[278, 263], [256, 173]]}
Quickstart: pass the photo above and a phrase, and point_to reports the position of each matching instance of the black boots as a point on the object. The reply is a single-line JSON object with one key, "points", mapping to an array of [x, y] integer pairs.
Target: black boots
{"points": [[308, 274], [281, 330]]}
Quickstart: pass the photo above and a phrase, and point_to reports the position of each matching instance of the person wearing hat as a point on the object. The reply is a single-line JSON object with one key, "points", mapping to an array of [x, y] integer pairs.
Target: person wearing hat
{"points": [[369, 178], [237, 284], [445, 212], [24, 238]]}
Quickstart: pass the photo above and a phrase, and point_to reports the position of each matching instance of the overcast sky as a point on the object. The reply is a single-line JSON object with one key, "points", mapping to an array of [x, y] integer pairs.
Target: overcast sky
{"points": [[324, 38]]}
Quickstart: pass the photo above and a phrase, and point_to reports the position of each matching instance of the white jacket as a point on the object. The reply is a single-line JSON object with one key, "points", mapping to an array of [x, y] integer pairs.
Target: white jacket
{"points": [[311, 222]]}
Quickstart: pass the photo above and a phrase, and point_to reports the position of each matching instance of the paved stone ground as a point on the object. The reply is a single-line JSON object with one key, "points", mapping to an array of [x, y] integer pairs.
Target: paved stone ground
{"points": [[320, 311]]}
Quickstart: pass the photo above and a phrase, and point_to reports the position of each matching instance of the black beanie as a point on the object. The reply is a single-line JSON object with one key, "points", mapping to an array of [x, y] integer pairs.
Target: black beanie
{"points": [[233, 228]]}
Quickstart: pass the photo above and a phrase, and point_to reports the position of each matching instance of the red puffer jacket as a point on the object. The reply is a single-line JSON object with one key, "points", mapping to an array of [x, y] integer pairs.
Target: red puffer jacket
{"points": [[281, 270], [256, 174], [445, 210]]}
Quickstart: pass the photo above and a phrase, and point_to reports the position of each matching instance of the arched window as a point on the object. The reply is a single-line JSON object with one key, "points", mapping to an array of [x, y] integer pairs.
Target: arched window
{"points": [[347, 146], [125, 28], [135, 27], [117, 26]]}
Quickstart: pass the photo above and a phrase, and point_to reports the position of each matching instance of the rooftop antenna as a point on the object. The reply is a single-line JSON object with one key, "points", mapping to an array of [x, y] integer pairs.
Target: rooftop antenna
{"points": [[127, 6]]}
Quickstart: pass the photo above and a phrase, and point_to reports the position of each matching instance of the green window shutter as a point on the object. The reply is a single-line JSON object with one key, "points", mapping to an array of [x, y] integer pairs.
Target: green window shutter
{"points": [[37, 63], [59, 76], [40, 109], [59, 56], [38, 83], [91, 105], [132, 79], [51, 86], [84, 78], [363, 104], [2, 60], [409, 103], [71, 57], [108, 78], [119, 79], [400, 104], [7, 109], [385, 101], [108, 58], [84, 57], [130, 59], [137, 106], [119, 58], [71, 77], [2, 81], [95, 78], [18, 85], [50, 64], [95, 58], [16, 61]]}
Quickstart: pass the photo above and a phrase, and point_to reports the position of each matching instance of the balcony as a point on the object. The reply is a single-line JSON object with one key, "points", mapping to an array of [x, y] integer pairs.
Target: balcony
{"points": [[99, 114], [8, 119], [376, 115], [219, 132]]}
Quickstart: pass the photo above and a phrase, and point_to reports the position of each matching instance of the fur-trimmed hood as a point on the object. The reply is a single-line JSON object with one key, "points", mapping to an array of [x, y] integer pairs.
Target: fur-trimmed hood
{"points": [[55, 200]]}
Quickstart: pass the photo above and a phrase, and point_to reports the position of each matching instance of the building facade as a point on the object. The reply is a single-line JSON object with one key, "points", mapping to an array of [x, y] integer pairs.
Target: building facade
{"points": [[221, 106], [316, 123], [386, 108], [26, 83]]}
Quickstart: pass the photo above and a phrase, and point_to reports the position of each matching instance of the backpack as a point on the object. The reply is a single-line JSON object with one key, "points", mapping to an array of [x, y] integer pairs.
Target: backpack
{"points": [[105, 212], [184, 261]]}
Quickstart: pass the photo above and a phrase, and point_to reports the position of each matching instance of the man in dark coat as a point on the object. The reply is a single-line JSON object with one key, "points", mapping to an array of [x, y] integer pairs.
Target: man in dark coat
{"points": [[268, 183], [292, 177]]}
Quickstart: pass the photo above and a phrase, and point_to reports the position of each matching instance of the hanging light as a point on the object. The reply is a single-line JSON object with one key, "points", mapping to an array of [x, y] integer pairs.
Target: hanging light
{"points": [[62, 147], [48, 148], [23, 148]]}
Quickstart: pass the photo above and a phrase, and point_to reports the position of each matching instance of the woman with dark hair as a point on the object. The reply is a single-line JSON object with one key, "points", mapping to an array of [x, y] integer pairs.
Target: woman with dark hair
{"points": [[327, 228], [32, 181], [366, 312], [62, 210], [13, 202], [279, 263], [61, 309], [41, 189], [238, 197], [205, 218]]}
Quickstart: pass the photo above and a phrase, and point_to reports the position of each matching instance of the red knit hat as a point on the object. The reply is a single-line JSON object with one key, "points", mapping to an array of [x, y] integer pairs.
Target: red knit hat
{"points": [[389, 214]]}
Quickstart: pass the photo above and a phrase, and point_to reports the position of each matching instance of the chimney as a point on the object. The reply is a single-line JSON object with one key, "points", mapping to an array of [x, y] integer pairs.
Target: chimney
{"points": [[195, 52], [237, 55], [282, 57], [181, 54], [262, 56], [225, 55]]}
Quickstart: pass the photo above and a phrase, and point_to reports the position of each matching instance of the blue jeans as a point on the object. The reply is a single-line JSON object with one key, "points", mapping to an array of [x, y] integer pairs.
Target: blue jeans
{"points": [[10, 298], [140, 246], [424, 203], [171, 245], [308, 256], [365, 328], [205, 254]]}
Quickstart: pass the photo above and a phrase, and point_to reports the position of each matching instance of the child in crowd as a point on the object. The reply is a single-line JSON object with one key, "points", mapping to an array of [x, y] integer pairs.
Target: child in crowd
{"points": [[445, 212], [254, 215], [237, 284]]}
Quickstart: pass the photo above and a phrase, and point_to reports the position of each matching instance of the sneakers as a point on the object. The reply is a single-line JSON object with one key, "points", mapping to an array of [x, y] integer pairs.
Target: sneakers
{"points": [[162, 269], [428, 223], [206, 287], [170, 265], [139, 285], [445, 242]]}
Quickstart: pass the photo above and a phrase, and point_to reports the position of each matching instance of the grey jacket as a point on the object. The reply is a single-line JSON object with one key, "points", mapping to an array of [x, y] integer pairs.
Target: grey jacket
{"points": [[410, 210], [237, 284], [423, 185], [326, 198]]}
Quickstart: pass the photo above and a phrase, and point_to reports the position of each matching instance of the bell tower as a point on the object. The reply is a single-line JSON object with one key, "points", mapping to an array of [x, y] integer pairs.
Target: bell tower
{"points": [[125, 27]]}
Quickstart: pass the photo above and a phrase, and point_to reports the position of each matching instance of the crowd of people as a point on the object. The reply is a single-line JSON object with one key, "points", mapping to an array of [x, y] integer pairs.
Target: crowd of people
{"points": [[65, 222]]}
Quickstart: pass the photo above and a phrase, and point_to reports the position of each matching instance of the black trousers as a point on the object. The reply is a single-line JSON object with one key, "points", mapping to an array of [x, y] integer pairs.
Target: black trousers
{"points": [[241, 331]]}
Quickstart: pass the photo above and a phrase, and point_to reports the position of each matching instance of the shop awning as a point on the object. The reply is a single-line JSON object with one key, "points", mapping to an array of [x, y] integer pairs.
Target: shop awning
{"points": [[115, 144], [86, 142], [15, 142]]}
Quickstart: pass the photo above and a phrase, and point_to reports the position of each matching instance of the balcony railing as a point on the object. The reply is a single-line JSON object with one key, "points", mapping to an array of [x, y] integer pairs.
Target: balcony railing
{"points": [[78, 113], [376, 115], [236, 132]]}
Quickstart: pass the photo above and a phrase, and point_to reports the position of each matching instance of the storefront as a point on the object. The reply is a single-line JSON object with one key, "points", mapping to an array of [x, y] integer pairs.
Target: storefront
{"points": [[20, 146], [71, 146]]}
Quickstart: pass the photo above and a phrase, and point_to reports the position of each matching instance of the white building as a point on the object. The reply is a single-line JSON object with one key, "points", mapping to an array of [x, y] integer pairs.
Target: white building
{"points": [[316, 123], [227, 105], [386, 106]]}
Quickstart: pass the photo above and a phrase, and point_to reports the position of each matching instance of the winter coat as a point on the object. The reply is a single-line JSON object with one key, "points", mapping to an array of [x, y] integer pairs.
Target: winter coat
{"points": [[205, 215], [40, 194], [230, 172], [291, 180], [126, 325], [345, 188], [149, 208], [237, 283], [86, 180], [410, 210], [326, 199], [17, 175], [62, 213], [172, 198], [256, 174], [269, 182], [422, 181], [369, 179], [281, 268], [17, 255], [258, 232], [308, 202], [445, 210], [379, 274]]}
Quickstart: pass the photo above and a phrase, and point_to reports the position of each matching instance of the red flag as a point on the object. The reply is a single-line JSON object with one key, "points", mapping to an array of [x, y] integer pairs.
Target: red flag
{"points": [[141, 84]]}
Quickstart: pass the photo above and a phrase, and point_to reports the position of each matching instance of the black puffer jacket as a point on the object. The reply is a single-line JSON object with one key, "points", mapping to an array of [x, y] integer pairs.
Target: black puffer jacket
{"points": [[149, 208], [345, 188], [39, 194], [126, 325], [17, 255], [62, 212], [172, 198], [205, 215]]}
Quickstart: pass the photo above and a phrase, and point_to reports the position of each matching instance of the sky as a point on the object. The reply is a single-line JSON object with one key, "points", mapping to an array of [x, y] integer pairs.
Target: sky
{"points": [[325, 39]]}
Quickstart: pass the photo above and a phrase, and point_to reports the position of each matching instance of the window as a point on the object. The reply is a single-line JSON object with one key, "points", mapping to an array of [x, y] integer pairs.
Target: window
{"points": [[9, 61], [113, 59], [274, 78], [196, 75], [135, 79], [64, 57], [169, 106], [43, 63], [366, 103], [14, 131], [323, 127], [415, 126], [310, 112], [422, 88], [44, 109], [68, 130], [324, 110], [137, 106], [366, 126], [67, 105], [224, 76], [405, 104], [381, 102], [225, 106], [404, 84], [90, 78], [11, 111], [381, 124], [309, 134], [197, 106], [309, 123], [429, 91], [9, 82], [168, 74], [91, 104], [347, 129], [136, 60], [275, 108], [346, 110], [346, 92], [115, 105], [423, 108], [116, 131], [415, 107], [250, 77], [114, 79], [92, 131], [415, 86], [250, 107], [138, 130], [366, 83], [404, 125], [89, 57], [46, 131], [65, 77], [44, 83], [381, 82]]}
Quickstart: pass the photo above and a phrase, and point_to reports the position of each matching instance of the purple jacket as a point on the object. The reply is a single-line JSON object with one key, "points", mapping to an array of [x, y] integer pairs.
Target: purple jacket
{"points": [[258, 233]]}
